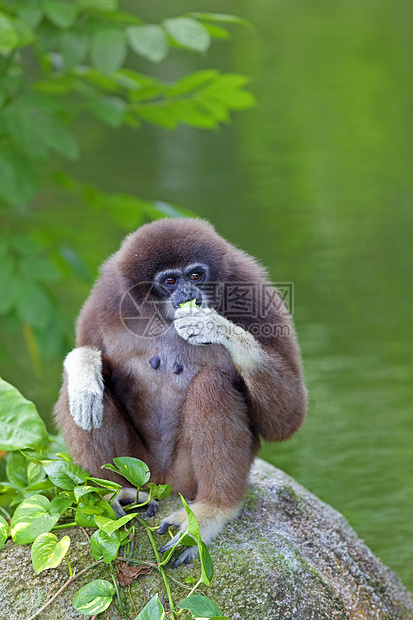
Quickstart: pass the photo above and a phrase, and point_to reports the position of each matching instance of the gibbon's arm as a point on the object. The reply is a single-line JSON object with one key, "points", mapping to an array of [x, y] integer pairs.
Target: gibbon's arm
{"points": [[273, 378], [83, 367]]}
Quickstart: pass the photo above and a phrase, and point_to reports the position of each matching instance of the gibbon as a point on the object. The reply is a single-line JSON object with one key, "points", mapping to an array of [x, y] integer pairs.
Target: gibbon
{"points": [[187, 388]]}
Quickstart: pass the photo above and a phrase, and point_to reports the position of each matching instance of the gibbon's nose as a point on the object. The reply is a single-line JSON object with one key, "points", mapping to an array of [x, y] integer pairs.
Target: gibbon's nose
{"points": [[187, 293]]}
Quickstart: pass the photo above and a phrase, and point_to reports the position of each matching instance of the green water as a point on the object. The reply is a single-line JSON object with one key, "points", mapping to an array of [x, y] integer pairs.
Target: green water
{"points": [[317, 182]]}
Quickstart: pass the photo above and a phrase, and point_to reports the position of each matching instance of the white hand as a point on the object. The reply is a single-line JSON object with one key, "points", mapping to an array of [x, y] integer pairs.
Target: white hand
{"points": [[85, 387], [202, 326]]}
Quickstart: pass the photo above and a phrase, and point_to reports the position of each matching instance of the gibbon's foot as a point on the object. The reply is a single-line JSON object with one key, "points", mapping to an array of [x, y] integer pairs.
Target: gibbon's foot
{"points": [[85, 387], [211, 520], [186, 556], [127, 496]]}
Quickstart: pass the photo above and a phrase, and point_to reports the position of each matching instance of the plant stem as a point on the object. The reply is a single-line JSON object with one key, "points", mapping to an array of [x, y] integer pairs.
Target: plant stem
{"points": [[195, 587], [64, 586], [70, 568], [115, 583], [160, 568], [64, 526]]}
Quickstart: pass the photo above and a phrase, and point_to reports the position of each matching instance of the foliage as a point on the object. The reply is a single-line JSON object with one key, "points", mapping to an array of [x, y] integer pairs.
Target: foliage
{"points": [[63, 495], [65, 60]]}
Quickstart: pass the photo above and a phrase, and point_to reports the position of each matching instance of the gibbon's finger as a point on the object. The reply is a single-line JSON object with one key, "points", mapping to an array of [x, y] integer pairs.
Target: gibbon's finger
{"points": [[167, 546], [186, 556]]}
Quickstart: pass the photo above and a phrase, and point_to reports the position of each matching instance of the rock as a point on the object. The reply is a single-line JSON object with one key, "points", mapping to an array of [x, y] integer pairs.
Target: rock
{"points": [[287, 556]]}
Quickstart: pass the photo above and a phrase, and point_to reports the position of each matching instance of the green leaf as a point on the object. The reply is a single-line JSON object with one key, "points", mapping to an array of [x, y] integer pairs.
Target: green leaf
{"points": [[193, 526], [39, 269], [149, 41], [193, 82], [9, 38], [50, 338], [160, 491], [18, 180], [228, 89], [109, 525], [59, 84], [110, 110], [193, 114], [84, 520], [35, 474], [159, 114], [62, 14], [142, 86], [65, 456], [4, 531], [190, 579], [83, 490], [60, 504], [106, 6], [164, 209], [65, 475], [200, 606], [24, 32], [220, 18], [94, 597], [153, 610], [48, 552], [9, 285], [109, 49], [107, 484], [132, 469], [33, 122], [32, 518], [31, 12], [127, 210], [214, 107], [21, 426], [189, 33], [25, 245], [206, 564], [88, 506], [74, 47], [106, 508], [16, 470], [105, 545], [34, 305], [217, 32]]}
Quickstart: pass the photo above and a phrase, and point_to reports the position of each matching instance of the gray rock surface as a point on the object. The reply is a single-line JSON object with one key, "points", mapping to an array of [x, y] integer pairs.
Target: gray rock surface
{"points": [[287, 556]]}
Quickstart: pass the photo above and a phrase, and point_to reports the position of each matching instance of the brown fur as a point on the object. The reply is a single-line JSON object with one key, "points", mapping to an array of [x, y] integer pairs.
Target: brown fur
{"points": [[198, 430]]}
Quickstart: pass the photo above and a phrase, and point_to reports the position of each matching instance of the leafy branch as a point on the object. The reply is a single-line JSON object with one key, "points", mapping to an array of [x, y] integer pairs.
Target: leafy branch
{"points": [[62, 62]]}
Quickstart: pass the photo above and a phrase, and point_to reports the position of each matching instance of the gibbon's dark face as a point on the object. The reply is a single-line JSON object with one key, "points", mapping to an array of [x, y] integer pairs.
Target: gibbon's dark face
{"points": [[176, 286], [172, 262]]}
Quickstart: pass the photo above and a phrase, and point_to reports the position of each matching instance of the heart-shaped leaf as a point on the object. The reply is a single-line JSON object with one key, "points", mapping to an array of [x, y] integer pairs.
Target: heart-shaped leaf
{"points": [[4, 531], [134, 470], [65, 475], [32, 518], [105, 545], [21, 425], [153, 610], [48, 551], [94, 597]]}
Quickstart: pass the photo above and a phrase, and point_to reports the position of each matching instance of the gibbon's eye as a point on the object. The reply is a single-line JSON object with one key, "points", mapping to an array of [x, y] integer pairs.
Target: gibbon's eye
{"points": [[195, 276], [170, 281]]}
